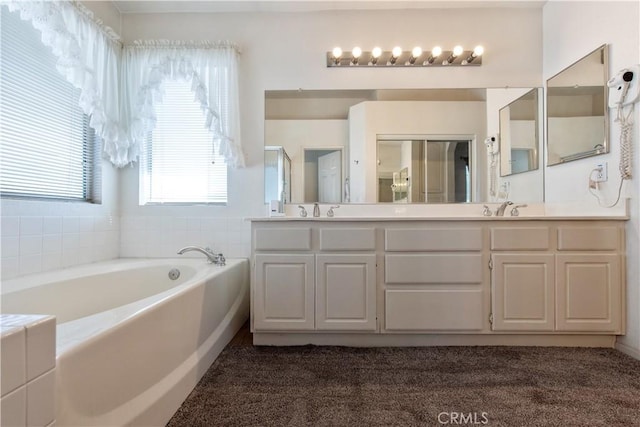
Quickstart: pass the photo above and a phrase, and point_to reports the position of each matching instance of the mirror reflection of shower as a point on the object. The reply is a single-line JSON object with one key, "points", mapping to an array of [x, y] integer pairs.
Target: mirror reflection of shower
{"points": [[423, 170], [277, 175]]}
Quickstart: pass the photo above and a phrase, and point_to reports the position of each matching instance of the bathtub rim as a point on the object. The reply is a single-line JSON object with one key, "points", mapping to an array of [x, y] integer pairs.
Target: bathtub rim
{"points": [[73, 335], [89, 270]]}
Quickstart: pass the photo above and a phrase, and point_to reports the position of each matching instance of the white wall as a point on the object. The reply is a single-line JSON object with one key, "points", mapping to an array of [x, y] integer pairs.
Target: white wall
{"points": [[40, 236], [287, 51], [572, 30]]}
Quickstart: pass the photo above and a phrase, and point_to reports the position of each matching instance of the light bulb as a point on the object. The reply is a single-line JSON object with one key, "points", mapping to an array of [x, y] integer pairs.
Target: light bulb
{"points": [[337, 52], [376, 52], [416, 52], [396, 51], [356, 52], [478, 50], [457, 51], [436, 51]]}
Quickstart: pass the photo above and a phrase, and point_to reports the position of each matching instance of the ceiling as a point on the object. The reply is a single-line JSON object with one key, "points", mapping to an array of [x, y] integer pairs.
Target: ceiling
{"points": [[219, 6]]}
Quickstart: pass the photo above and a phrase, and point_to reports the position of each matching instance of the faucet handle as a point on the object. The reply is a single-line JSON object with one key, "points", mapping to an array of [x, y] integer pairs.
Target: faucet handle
{"points": [[330, 212], [486, 211], [515, 211], [220, 259], [303, 211]]}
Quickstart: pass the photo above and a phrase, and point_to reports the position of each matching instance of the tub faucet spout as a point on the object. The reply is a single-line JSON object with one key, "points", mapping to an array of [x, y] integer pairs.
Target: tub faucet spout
{"points": [[212, 258]]}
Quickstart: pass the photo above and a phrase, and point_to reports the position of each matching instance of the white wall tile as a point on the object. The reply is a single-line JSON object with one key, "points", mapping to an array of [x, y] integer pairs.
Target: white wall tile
{"points": [[40, 400], [30, 264], [13, 352], [41, 347], [10, 225], [30, 226], [30, 245], [85, 239], [52, 225], [85, 255], [52, 261], [70, 224], [85, 224], [13, 408], [10, 267], [10, 246], [51, 243], [70, 241], [69, 257]]}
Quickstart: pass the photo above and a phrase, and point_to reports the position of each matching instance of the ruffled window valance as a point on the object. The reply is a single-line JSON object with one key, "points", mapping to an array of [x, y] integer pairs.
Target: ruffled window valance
{"points": [[120, 86], [88, 57], [212, 70]]}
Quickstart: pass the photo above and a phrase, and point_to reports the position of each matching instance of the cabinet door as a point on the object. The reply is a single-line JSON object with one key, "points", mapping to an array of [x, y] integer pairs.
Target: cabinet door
{"points": [[283, 292], [588, 292], [522, 292], [346, 292]]}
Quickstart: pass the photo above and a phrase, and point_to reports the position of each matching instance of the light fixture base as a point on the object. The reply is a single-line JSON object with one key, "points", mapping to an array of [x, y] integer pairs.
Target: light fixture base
{"points": [[403, 60]]}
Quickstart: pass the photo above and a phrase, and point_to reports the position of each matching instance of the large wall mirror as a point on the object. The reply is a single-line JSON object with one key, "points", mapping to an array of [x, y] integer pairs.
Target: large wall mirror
{"points": [[519, 136], [577, 114], [386, 146]]}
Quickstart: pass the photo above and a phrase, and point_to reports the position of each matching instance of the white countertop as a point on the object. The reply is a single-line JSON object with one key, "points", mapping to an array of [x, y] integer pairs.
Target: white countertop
{"points": [[573, 211]]}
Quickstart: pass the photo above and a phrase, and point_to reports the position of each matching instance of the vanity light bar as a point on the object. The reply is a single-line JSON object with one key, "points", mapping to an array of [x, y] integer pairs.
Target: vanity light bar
{"points": [[400, 58]]}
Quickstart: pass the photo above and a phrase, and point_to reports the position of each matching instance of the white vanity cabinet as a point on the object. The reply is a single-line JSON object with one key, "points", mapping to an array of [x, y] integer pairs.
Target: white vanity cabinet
{"points": [[562, 277], [284, 278], [284, 297], [327, 284], [385, 281], [589, 278], [433, 278], [346, 292]]}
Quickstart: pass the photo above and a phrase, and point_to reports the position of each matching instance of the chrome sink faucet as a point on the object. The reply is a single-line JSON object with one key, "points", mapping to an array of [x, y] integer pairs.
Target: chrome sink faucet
{"points": [[212, 258], [503, 206]]}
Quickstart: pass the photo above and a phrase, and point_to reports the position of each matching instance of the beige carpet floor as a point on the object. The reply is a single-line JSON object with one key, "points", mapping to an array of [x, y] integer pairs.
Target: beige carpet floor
{"points": [[337, 386]]}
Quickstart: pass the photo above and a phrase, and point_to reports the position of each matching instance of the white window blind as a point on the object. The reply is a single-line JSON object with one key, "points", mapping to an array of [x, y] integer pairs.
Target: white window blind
{"points": [[47, 148], [179, 163]]}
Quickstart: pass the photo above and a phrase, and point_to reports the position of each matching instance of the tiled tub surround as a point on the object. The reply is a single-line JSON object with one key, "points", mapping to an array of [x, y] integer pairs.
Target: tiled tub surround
{"points": [[28, 370], [34, 244], [132, 343], [163, 236]]}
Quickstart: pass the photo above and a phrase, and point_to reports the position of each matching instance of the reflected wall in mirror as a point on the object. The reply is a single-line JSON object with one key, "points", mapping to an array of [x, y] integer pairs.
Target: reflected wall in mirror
{"points": [[519, 135], [421, 169], [577, 114], [351, 122]]}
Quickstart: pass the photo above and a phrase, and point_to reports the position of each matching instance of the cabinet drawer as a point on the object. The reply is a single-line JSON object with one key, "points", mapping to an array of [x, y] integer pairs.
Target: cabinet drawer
{"points": [[435, 310], [347, 239], [280, 239], [520, 238], [433, 268], [588, 238], [433, 239]]}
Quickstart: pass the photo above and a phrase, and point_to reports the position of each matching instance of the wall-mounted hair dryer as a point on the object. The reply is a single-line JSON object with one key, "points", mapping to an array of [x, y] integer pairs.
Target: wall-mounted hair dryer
{"points": [[624, 87], [492, 145]]}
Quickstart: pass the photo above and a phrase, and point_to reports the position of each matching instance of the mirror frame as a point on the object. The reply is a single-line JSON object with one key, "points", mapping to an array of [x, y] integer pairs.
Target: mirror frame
{"points": [[606, 142]]}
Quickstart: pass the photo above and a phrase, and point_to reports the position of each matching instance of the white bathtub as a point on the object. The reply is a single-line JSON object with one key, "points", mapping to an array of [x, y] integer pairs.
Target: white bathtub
{"points": [[132, 343]]}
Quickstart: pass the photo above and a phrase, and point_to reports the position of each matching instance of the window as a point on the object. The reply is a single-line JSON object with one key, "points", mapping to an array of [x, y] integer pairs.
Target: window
{"points": [[179, 164], [47, 148]]}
